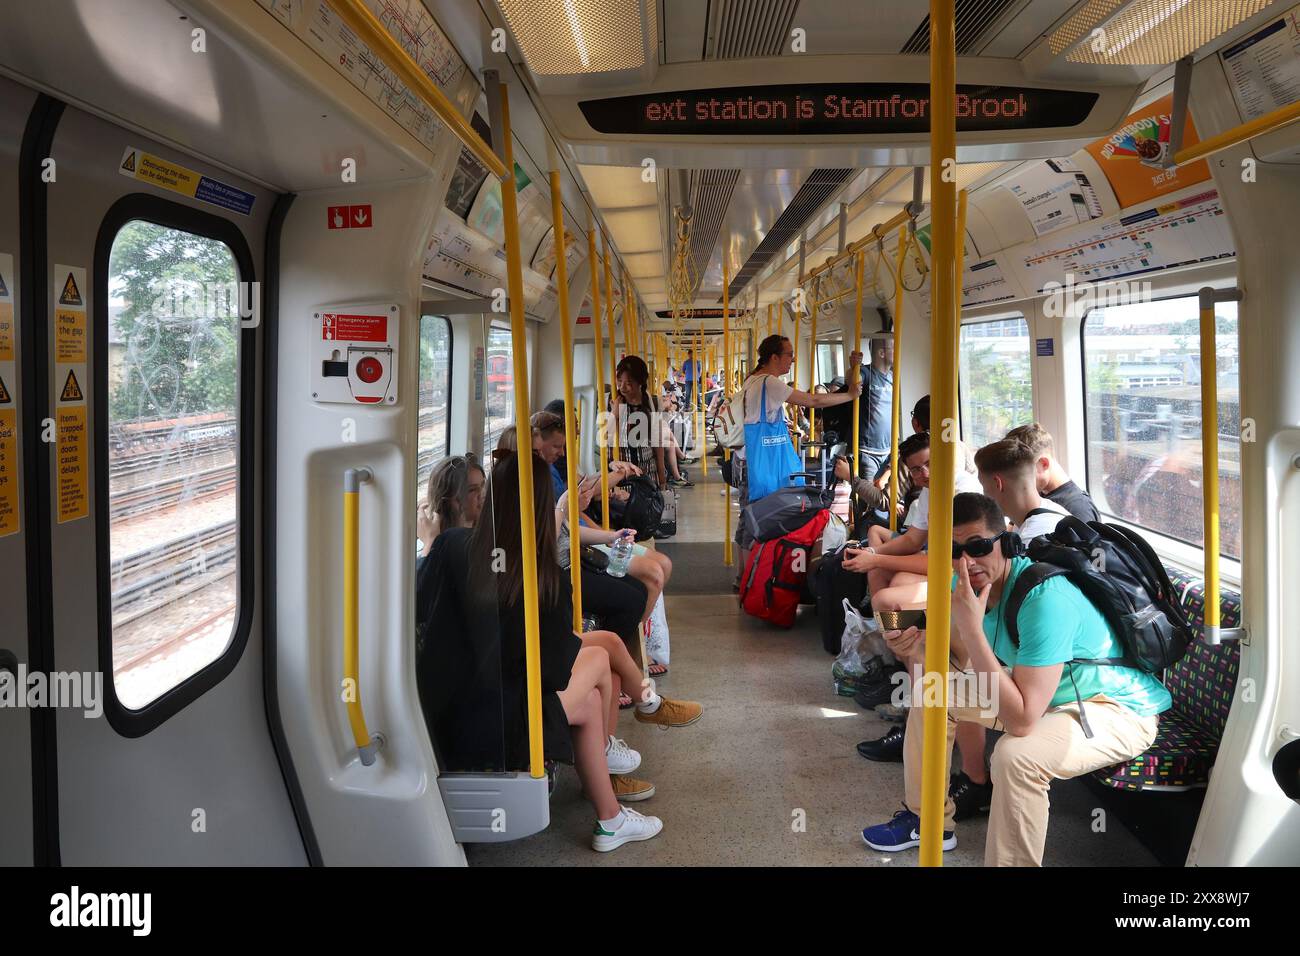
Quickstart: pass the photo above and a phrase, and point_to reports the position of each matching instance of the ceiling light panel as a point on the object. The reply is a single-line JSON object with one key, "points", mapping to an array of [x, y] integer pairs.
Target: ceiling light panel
{"points": [[575, 37], [1156, 32], [619, 187]]}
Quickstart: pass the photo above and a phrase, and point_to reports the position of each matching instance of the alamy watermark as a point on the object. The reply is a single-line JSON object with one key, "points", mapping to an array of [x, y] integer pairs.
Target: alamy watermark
{"points": [[1076, 298], [191, 299], [73, 690], [968, 690]]}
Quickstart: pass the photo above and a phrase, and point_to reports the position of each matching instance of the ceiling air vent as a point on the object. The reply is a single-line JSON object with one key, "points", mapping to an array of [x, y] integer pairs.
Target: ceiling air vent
{"points": [[710, 192], [748, 28], [812, 195], [974, 17]]}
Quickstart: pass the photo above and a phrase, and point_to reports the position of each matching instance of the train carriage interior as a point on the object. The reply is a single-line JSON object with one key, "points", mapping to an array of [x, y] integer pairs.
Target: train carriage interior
{"points": [[284, 284]]}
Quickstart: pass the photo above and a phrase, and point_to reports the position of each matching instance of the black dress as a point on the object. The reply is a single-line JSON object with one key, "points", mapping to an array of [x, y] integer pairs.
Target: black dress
{"points": [[470, 666]]}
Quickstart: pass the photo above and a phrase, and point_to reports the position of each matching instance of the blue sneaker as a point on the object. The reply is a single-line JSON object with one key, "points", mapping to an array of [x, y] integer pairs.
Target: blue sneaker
{"points": [[902, 832]]}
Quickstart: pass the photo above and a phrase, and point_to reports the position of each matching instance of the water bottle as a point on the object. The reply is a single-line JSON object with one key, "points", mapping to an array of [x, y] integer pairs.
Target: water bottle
{"points": [[620, 555]]}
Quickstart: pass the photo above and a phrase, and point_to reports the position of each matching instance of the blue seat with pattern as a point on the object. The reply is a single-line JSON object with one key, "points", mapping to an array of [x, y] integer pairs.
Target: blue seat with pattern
{"points": [[1202, 686]]}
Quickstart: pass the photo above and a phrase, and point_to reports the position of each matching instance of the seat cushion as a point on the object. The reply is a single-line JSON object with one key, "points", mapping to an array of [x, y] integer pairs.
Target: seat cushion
{"points": [[1181, 756], [1203, 683]]}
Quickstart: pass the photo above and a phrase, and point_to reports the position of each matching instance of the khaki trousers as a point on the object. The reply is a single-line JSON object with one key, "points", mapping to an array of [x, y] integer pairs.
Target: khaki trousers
{"points": [[1023, 768]]}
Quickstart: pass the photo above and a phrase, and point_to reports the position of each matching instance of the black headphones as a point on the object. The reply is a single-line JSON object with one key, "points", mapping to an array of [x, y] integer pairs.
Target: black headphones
{"points": [[1013, 546]]}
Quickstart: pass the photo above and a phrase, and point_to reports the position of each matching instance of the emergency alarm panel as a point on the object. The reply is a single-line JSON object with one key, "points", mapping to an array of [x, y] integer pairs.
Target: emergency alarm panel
{"points": [[354, 356]]}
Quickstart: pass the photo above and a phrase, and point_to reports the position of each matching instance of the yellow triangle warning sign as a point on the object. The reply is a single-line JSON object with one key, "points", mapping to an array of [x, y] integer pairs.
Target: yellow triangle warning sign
{"points": [[128, 164], [71, 390], [5, 397], [4, 289], [71, 295]]}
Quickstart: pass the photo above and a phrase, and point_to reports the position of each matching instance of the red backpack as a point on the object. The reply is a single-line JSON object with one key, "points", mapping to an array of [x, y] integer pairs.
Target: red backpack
{"points": [[770, 587]]}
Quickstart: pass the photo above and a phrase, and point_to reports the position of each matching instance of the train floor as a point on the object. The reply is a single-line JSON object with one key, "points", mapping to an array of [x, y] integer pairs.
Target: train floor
{"points": [[770, 774]]}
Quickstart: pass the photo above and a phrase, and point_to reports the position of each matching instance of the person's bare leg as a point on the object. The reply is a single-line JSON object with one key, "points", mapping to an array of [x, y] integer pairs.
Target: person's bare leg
{"points": [[624, 668], [878, 580], [905, 591], [650, 573], [876, 535], [971, 741], [587, 731], [611, 722], [591, 671]]}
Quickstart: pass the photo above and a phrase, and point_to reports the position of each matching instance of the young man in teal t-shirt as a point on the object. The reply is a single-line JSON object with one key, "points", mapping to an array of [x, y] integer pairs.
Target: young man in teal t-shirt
{"points": [[1032, 692]]}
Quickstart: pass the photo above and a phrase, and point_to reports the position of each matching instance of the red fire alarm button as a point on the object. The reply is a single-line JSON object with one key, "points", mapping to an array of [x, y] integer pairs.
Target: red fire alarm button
{"points": [[369, 370]]}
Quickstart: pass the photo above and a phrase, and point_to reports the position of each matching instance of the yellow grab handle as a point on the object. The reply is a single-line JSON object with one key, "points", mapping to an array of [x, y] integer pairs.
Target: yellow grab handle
{"points": [[367, 747]]}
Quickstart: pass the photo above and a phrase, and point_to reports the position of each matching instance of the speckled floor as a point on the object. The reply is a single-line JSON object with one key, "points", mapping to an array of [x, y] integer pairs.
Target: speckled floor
{"points": [[769, 776]]}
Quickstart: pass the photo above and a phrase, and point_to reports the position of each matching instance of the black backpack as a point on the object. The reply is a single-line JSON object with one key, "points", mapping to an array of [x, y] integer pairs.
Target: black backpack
{"points": [[642, 512], [1123, 578]]}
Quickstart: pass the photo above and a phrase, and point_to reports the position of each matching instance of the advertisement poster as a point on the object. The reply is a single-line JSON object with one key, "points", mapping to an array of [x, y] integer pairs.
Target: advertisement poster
{"points": [[1131, 156], [1055, 194]]}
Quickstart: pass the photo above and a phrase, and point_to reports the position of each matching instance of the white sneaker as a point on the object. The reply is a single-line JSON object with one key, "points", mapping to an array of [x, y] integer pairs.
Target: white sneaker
{"points": [[635, 827], [620, 757]]}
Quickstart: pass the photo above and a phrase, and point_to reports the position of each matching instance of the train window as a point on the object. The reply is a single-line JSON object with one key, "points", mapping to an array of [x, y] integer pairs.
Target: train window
{"points": [[500, 382], [1143, 398], [432, 435], [830, 361], [994, 372], [173, 441]]}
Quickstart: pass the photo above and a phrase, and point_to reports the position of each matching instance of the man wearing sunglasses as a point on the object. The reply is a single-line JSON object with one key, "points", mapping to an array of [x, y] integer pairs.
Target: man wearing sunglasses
{"points": [[1037, 691]]}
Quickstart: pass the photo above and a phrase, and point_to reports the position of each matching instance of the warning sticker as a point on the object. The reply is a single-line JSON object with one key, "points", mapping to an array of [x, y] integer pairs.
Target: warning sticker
{"points": [[71, 294], [5, 397], [165, 174], [6, 308], [335, 326], [9, 512], [70, 335], [72, 479], [71, 389]]}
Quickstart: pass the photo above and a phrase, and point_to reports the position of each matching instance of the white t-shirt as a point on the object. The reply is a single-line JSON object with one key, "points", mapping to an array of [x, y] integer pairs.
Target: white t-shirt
{"points": [[965, 482], [1040, 524], [777, 392]]}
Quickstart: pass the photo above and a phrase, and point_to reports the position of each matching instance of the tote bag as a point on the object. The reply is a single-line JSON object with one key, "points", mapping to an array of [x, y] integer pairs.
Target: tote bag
{"points": [[770, 458]]}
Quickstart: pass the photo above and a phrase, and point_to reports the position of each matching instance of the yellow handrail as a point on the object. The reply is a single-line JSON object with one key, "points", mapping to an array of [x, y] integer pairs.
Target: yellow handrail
{"points": [[896, 401], [960, 250], [856, 372], [877, 231], [353, 478], [523, 416], [613, 342], [1283, 116], [1210, 462], [371, 32], [601, 417], [812, 373], [943, 354], [726, 392], [570, 419]]}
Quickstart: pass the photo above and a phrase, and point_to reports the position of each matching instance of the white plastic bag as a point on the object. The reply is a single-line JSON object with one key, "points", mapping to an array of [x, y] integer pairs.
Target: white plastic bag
{"points": [[656, 633], [835, 534], [854, 654]]}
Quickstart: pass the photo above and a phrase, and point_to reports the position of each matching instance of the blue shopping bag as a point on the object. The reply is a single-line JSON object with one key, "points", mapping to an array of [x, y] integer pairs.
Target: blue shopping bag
{"points": [[770, 458]]}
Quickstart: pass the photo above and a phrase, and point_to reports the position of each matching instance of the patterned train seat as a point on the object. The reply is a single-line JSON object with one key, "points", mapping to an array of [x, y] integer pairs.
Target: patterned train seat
{"points": [[1202, 685]]}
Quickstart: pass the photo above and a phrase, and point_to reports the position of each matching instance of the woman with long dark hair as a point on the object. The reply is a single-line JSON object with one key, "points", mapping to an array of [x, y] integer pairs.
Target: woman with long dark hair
{"points": [[453, 499], [471, 655], [641, 438]]}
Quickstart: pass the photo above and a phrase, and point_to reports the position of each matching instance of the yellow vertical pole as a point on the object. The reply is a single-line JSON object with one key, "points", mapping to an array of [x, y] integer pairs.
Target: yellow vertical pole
{"points": [[601, 422], [794, 374], [812, 368], [957, 294], [726, 390], [896, 420], [856, 371], [523, 413], [700, 402], [613, 338], [938, 611], [570, 421], [1210, 462]]}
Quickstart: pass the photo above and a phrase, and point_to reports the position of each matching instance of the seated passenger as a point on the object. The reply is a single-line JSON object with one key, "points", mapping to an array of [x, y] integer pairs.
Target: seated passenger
{"points": [[622, 604], [896, 569], [1062, 717], [1006, 472], [470, 658], [453, 500], [1050, 477]]}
